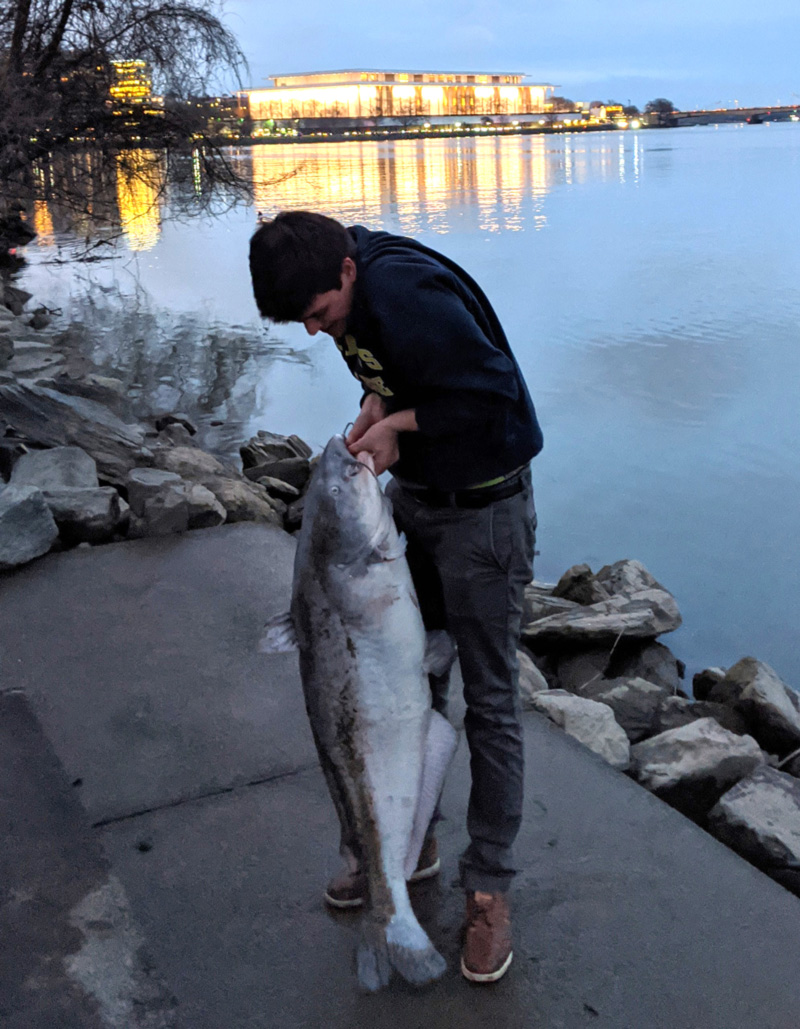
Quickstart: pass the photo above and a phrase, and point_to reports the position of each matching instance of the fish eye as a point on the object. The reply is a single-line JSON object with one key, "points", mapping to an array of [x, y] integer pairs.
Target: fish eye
{"points": [[334, 490]]}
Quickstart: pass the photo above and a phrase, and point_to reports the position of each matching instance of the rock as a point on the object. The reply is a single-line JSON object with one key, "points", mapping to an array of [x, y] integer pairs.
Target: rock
{"points": [[772, 709], [531, 680], [759, 818], [188, 462], [57, 468], [29, 363], [102, 389], [176, 435], [269, 447], [162, 421], [639, 607], [40, 320], [635, 703], [6, 349], [15, 299], [51, 419], [294, 470], [167, 511], [279, 489], [294, 515], [243, 501], [144, 484], [704, 682], [673, 712], [589, 722], [205, 511], [27, 529], [85, 514], [676, 711], [539, 602], [574, 670], [692, 766], [581, 586], [651, 661]]}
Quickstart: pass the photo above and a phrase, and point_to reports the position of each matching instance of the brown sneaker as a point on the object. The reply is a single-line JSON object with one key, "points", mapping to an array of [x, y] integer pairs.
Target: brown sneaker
{"points": [[486, 953], [348, 889]]}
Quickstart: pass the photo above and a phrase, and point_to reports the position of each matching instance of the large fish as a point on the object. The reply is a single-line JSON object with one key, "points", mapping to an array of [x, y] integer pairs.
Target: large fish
{"points": [[364, 659]]}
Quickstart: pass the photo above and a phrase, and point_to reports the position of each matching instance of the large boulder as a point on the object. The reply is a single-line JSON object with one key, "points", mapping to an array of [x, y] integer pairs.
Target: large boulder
{"points": [[87, 514], [539, 602], [244, 501], [162, 513], [268, 447], [692, 766], [145, 484], [577, 669], [772, 709], [580, 585], [590, 723], [57, 468], [676, 711], [652, 661], [531, 680], [635, 703], [704, 682], [293, 470], [759, 818], [48, 418], [205, 511], [27, 529], [638, 607], [188, 462]]}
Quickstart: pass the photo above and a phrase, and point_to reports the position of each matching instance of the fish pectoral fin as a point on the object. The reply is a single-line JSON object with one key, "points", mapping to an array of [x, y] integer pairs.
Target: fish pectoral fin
{"points": [[279, 636], [440, 745], [440, 652], [390, 550]]}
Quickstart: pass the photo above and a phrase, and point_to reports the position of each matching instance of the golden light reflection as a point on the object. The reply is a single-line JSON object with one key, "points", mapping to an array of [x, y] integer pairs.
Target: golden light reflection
{"points": [[140, 181], [432, 185], [42, 224]]}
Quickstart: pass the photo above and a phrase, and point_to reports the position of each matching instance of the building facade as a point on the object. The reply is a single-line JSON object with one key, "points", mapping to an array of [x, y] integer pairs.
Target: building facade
{"points": [[355, 95]]}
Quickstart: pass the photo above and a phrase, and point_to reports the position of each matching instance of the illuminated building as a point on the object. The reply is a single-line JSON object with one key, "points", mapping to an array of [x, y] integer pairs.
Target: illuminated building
{"points": [[131, 83], [394, 96]]}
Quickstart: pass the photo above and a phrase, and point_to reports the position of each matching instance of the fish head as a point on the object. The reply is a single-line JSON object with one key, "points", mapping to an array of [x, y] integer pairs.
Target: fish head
{"points": [[352, 519]]}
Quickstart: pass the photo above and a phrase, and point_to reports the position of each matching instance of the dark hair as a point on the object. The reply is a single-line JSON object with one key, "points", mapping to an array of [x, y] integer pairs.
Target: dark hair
{"points": [[295, 257]]}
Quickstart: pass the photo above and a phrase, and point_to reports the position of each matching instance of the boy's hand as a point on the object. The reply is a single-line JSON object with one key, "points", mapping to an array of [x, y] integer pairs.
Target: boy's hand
{"points": [[380, 440], [372, 410]]}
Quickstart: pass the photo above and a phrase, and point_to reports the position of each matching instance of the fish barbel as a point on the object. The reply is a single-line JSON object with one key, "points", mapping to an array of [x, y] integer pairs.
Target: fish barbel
{"points": [[364, 663]]}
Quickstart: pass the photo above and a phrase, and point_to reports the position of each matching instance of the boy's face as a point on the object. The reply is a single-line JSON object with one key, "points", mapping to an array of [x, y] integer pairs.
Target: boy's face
{"points": [[328, 311]]}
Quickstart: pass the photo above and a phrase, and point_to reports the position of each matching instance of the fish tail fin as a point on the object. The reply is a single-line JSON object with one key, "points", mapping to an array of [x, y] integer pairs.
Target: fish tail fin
{"points": [[402, 945]]}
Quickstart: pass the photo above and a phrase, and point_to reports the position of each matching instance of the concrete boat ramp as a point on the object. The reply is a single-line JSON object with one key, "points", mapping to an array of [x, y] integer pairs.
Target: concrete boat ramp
{"points": [[166, 833]]}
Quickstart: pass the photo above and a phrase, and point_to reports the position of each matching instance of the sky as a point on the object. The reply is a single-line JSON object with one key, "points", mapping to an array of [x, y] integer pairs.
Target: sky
{"points": [[697, 53]]}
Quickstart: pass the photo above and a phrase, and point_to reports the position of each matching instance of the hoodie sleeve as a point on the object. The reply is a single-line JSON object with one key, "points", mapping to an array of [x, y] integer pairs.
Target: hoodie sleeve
{"points": [[432, 337]]}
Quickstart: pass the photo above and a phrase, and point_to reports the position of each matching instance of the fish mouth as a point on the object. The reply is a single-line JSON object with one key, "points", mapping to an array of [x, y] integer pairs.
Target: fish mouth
{"points": [[365, 458]]}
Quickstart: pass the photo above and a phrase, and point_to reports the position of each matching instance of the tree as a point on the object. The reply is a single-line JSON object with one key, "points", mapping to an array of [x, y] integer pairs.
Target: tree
{"points": [[660, 106], [562, 104], [56, 75]]}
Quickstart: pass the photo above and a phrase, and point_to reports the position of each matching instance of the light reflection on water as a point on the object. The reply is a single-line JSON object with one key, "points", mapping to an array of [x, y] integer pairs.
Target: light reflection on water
{"points": [[648, 282]]}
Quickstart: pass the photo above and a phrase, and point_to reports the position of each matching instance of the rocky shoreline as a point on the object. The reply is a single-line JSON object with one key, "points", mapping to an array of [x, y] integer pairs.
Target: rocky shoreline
{"points": [[76, 469]]}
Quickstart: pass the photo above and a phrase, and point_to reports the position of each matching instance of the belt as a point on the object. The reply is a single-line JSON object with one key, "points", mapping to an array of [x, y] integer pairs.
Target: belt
{"points": [[469, 498]]}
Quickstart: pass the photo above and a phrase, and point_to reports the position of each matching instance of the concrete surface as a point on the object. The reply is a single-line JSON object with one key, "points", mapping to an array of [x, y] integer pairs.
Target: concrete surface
{"points": [[198, 773]]}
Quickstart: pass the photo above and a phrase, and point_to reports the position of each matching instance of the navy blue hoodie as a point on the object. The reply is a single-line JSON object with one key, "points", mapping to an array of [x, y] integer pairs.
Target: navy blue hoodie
{"points": [[422, 335]]}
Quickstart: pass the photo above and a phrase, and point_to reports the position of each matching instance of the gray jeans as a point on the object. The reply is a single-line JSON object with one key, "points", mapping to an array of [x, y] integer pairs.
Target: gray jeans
{"points": [[470, 568]]}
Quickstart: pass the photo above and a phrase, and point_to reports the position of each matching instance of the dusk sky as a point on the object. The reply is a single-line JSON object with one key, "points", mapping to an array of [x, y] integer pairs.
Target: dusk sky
{"points": [[697, 53]]}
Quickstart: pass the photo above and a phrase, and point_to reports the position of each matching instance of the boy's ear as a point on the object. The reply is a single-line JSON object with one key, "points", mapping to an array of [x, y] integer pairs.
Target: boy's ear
{"points": [[348, 271]]}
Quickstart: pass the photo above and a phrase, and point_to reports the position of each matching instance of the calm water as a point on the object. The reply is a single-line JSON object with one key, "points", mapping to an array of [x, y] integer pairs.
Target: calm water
{"points": [[649, 283]]}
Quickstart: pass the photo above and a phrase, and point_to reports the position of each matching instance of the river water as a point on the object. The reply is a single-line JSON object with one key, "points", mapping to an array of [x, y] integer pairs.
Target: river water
{"points": [[649, 283]]}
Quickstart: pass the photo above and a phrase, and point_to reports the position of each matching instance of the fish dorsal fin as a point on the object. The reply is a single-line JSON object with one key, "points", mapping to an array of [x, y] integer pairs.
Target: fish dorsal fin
{"points": [[440, 652], [279, 636]]}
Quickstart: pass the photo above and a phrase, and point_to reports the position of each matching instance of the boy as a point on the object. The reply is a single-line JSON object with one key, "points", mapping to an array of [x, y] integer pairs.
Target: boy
{"points": [[446, 410]]}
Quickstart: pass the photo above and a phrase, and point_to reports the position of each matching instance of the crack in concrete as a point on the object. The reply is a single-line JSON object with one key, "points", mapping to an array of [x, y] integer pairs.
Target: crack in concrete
{"points": [[220, 792]]}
